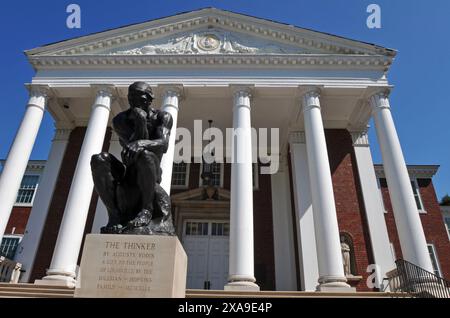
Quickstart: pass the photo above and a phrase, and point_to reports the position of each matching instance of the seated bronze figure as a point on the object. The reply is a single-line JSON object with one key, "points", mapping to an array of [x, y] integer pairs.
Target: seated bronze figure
{"points": [[130, 189]]}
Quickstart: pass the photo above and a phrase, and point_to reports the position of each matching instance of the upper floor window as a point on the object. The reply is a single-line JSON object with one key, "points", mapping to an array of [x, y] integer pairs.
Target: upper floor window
{"points": [[27, 189], [434, 260], [216, 174], [180, 175], [447, 225], [381, 182], [9, 245], [417, 197], [415, 187], [255, 176]]}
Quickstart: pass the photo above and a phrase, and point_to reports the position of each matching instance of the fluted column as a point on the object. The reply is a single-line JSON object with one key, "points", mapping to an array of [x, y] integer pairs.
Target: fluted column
{"points": [[64, 262], [241, 263], [20, 151], [407, 220], [329, 258], [171, 98]]}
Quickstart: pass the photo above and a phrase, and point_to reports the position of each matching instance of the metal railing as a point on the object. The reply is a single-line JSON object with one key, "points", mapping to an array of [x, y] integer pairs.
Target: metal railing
{"points": [[9, 270], [416, 281]]}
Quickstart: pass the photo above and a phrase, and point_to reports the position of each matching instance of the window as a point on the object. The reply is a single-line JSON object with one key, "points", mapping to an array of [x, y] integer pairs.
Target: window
{"points": [[434, 260], [381, 182], [27, 189], [220, 229], [217, 174], [9, 245], [196, 228], [447, 225], [255, 176], [180, 175], [415, 188]]}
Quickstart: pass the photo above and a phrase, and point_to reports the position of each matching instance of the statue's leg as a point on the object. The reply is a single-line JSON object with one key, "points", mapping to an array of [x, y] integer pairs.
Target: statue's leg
{"points": [[163, 223], [146, 164], [162, 202], [106, 171]]}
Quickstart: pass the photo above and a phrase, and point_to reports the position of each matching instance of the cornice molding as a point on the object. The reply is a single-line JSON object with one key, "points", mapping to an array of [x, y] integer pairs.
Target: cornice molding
{"points": [[210, 18], [377, 62], [32, 165], [414, 171]]}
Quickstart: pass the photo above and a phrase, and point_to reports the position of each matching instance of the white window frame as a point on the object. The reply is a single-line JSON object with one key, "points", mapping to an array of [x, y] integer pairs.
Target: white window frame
{"points": [[436, 258], [186, 183], [416, 184], [446, 226], [380, 192], [34, 193], [209, 221], [255, 176], [19, 236], [200, 180]]}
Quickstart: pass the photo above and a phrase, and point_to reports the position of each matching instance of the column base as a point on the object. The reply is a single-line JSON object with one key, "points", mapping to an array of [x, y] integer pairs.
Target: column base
{"points": [[242, 285], [57, 280]]}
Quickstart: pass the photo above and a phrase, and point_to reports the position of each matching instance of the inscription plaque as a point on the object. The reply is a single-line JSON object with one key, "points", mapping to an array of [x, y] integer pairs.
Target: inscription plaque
{"points": [[132, 266]]}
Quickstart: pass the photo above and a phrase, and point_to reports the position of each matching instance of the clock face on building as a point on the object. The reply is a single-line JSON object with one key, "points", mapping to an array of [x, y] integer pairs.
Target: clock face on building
{"points": [[208, 42]]}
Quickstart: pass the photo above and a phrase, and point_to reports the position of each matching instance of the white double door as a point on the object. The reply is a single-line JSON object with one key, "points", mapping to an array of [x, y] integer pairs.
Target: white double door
{"points": [[206, 243]]}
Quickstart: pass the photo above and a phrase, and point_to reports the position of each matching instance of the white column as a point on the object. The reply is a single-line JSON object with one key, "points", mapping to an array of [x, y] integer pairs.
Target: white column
{"points": [[241, 262], [64, 262], [283, 232], [306, 238], [26, 252], [331, 270], [170, 104], [101, 213], [407, 220], [373, 205], [20, 151]]}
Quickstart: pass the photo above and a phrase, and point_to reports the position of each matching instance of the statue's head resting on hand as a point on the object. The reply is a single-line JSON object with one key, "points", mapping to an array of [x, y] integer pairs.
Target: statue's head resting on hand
{"points": [[140, 95]]}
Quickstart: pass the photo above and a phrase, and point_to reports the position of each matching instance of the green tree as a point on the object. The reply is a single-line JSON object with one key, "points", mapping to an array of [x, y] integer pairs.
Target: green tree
{"points": [[445, 200]]}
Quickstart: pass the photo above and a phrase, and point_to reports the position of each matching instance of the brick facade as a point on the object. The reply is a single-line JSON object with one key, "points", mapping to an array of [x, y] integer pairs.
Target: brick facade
{"points": [[349, 202], [432, 222], [18, 220]]}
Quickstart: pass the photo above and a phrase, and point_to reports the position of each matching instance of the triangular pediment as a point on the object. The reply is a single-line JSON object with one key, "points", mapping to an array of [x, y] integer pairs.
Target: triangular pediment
{"points": [[209, 31], [208, 41]]}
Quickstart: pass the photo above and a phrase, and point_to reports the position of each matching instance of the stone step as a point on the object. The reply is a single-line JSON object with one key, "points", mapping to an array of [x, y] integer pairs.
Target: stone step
{"points": [[27, 294], [42, 291], [191, 293], [33, 286], [34, 291]]}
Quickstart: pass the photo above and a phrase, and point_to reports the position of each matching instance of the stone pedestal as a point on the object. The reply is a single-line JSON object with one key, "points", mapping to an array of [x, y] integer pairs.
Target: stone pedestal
{"points": [[132, 266]]}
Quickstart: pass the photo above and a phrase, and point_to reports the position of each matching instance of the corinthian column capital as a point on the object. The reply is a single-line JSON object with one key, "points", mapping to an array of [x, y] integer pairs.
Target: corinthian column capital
{"points": [[380, 100], [311, 98]]}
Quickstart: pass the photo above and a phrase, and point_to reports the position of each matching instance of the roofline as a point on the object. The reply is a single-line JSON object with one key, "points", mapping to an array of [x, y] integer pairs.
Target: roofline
{"points": [[427, 171], [30, 52]]}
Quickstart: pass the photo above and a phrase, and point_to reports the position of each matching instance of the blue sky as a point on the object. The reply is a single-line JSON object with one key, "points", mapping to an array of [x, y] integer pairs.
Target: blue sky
{"points": [[418, 29]]}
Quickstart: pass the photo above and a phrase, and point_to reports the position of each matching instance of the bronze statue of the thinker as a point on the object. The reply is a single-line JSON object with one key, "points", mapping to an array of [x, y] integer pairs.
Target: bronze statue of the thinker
{"points": [[130, 189]]}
